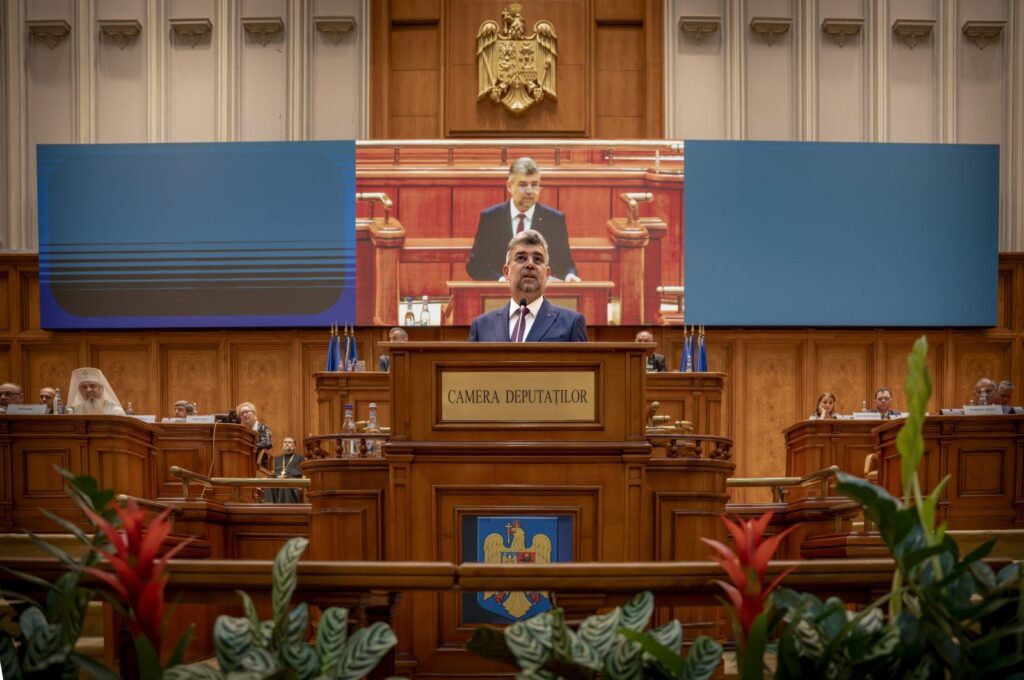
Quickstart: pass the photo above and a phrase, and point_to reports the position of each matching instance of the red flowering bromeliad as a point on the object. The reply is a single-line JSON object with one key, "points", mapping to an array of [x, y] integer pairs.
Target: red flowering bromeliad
{"points": [[747, 593], [138, 579]]}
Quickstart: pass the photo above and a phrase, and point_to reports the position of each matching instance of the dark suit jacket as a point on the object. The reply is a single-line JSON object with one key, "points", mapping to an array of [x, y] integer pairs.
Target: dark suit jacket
{"points": [[656, 363], [553, 324], [494, 231]]}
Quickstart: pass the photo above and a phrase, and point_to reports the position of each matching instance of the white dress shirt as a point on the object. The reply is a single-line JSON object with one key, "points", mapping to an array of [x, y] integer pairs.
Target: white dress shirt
{"points": [[513, 316]]}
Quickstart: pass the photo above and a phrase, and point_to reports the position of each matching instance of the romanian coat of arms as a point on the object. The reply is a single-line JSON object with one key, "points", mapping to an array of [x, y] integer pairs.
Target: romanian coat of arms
{"points": [[513, 549], [516, 69]]}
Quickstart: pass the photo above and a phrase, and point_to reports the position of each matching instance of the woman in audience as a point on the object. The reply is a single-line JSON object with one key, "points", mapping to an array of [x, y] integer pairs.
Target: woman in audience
{"points": [[826, 408], [264, 442]]}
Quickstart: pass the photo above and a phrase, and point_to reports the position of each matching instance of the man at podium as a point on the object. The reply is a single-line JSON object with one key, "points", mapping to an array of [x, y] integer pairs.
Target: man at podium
{"points": [[501, 222], [528, 317]]}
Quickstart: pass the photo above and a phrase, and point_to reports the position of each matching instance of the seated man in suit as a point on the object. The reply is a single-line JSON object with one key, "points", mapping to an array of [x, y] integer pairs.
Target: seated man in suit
{"points": [[984, 391], [1004, 396], [501, 222], [528, 317], [655, 361], [396, 334], [883, 402]]}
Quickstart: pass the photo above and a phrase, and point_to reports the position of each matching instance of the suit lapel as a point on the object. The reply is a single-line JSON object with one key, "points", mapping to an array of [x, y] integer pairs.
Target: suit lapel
{"points": [[546, 316], [501, 319]]}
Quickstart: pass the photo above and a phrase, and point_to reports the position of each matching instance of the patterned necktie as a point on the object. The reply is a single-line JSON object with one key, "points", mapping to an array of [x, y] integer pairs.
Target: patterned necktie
{"points": [[522, 223], [519, 330]]}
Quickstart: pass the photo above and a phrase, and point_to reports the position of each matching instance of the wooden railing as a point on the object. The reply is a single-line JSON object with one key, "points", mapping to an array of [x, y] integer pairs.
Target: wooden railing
{"points": [[236, 484], [778, 484]]}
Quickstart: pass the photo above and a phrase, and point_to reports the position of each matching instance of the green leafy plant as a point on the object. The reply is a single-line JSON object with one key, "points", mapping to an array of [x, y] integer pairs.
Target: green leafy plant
{"points": [[611, 645], [947, 615], [279, 648]]}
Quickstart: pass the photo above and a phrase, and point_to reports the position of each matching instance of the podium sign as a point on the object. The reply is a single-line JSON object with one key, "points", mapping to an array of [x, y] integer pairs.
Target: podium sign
{"points": [[517, 396]]}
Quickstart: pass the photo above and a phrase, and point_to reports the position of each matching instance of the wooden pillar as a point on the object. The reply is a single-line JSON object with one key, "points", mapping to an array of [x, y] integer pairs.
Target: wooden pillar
{"points": [[630, 238], [388, 239], [656, 231]]}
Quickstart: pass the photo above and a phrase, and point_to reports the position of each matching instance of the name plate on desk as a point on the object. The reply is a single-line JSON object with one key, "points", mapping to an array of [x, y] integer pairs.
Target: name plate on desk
{"points": [[145, 419], [26, 409], [867, 415], [983, 410], [207, 419], [518, 396]]}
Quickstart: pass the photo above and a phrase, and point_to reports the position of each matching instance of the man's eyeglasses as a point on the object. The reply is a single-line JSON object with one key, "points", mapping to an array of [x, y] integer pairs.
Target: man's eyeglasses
{"points": [[523, 258]]}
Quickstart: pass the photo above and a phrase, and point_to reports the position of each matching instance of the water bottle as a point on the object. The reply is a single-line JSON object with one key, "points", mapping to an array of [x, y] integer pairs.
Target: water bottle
{"points": [[864, 406], [373, 446], [410, 317], [350, 448], [130, 411], [58, 404], [425, 312]]}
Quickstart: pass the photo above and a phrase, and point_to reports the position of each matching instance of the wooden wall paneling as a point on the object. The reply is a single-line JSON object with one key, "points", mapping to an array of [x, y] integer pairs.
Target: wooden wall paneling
{"points": [[7, 301], [263, 72], [467, 203], [414, 78], [654, 71], [191, 73], [770, 389], [975, 358], [914, 94], [262, 373], [842, 368], [894, 349], [122, 73], [425, 212], [191, 371], [126, 368], [49, 364], [5, 367], [619, 59], [771, 85], [28, 300]]}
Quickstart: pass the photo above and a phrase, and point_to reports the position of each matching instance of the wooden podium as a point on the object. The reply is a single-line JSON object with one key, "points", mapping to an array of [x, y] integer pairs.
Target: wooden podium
{"points": [[813, 445], [499, 430], [470, 299]]}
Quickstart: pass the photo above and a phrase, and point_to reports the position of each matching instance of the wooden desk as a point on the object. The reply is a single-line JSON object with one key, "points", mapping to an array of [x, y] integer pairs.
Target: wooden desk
{"points": [[119, 452], [696, 397], [219, 450], [470, 299], [984, 457], [813, 445]]}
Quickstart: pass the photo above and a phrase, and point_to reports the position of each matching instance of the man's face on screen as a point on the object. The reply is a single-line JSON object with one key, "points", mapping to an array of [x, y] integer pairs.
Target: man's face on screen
{"points": [[527, 272], [525, 190]]}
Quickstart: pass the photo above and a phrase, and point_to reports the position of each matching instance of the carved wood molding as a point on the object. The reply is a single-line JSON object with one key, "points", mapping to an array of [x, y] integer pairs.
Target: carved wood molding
{"points": [[771, 28], [841, 30], [50, 32], [191, 30], [981, 33], [121, 31], [911, 31], [335, 28], [263, 28], [699, 27]]}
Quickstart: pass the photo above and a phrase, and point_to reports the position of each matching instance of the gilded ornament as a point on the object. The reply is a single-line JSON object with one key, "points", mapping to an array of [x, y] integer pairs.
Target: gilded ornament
{"points": [[515, 69]]}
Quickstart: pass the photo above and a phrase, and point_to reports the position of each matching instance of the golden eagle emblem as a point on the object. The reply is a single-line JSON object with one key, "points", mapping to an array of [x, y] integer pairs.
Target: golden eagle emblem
{"points": [[516, 603], [516, 69]]}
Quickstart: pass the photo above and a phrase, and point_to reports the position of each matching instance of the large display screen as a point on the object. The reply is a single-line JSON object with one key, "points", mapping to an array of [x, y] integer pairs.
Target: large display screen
{"points": [[830, 234], [197, 235]]}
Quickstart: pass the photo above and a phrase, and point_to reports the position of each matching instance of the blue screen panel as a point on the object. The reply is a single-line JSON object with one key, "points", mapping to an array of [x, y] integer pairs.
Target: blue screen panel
{"points": [[197, 235], [831, 234]]}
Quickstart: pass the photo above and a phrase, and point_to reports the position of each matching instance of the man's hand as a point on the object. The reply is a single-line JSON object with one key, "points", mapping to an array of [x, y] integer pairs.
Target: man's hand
{"points": [[572, 278]]}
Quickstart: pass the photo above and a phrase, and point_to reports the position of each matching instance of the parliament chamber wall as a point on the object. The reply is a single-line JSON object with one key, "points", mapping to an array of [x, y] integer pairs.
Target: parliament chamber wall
{"points": [[773, 376]]}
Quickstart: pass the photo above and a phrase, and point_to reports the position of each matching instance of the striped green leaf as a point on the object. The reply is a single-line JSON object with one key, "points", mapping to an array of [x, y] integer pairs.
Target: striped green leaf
{"points": [[301, 658], [331, 634], [584, 654], [9, 656], [364, 650], [284, 575], [259, 661], [703, 659], [598, 632], [193, 671], [298, 623], [44, 648], [232, 639], [670, 635], [625, 660], [637, 612], [250, 613], [528, 645]]}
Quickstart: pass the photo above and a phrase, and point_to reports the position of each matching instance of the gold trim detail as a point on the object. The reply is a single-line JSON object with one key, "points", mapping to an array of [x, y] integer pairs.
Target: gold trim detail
{"points": [[981, 33], [335, 28], [263, 28], [699, 27], [191, 30], [911, 31], [771, 28], [514, 69], [121, 31], [841, 30], [50, 32]]}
